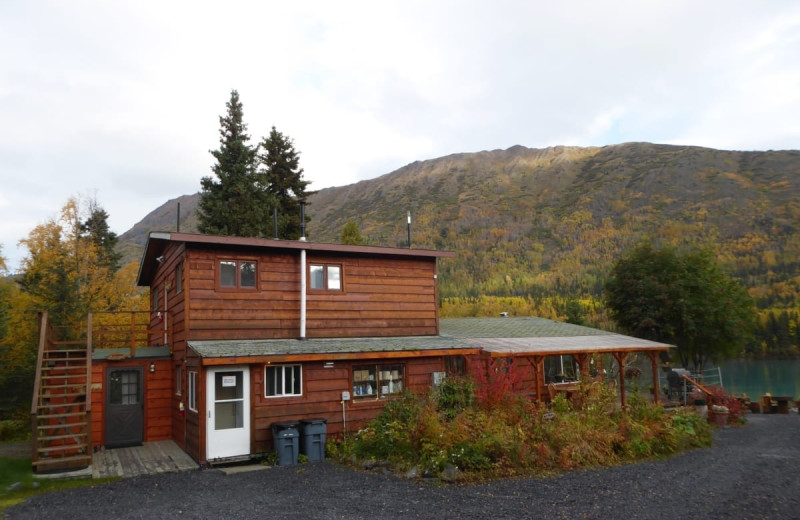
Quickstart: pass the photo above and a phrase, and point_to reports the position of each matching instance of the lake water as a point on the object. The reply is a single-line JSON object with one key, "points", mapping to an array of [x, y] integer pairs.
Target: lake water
{"points": [[755, 378]]}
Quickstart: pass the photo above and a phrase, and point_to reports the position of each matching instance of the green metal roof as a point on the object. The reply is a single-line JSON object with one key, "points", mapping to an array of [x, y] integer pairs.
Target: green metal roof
{"points": [[141, 352], [497, 336], [525, 327]]}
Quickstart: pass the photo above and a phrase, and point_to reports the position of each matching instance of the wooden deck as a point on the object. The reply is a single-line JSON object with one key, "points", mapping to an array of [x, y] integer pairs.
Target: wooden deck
{"points": [[148, 459]]}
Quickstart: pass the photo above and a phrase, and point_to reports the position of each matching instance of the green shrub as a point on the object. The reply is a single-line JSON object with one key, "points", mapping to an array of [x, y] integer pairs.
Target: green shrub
{"points": [[517, 437]]}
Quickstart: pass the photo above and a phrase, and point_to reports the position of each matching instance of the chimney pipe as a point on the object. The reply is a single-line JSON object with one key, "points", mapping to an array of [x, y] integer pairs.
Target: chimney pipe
{"points": [[275, 222], [302, 221], [409, 230], [178, 224]]}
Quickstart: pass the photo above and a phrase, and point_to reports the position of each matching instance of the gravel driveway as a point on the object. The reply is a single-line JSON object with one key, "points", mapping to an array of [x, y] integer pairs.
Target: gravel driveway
{"points": [[751, 472]]}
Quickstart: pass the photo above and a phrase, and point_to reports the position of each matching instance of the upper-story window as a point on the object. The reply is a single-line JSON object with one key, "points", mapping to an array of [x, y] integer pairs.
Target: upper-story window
{"points": [[326, 277], [237, 274], [178, 278]]}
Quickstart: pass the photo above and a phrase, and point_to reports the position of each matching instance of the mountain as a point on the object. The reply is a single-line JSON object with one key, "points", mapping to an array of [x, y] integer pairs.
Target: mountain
{"points": [[532, 222]]}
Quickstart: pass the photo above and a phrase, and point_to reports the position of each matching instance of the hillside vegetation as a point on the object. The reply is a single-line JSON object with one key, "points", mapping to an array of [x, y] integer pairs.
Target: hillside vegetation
{"points": [[541, 227]]}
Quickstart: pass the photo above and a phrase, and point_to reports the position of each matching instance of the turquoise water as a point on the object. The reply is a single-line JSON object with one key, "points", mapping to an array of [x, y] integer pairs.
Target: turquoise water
{"points": [[755, 378]]}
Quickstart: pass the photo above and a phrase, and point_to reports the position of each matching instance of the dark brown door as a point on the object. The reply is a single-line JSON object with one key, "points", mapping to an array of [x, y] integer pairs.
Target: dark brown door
{"points": [[124, 407]]}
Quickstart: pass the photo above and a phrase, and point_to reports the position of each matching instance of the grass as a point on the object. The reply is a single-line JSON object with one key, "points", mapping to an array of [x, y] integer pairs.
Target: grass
{"points": [[17, 471]]}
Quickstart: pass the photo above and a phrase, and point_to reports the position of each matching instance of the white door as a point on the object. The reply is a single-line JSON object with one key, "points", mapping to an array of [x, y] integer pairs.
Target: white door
{"points": [[228, 415]]}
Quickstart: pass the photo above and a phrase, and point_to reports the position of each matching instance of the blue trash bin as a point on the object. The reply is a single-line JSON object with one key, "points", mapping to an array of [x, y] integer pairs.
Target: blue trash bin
{"points": [[312, 444], [286, 438]]}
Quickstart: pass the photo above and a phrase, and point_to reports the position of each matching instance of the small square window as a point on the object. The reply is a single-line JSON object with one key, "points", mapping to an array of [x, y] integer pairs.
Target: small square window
{"points": [[238, 274], [325, 277], [377, 381]]}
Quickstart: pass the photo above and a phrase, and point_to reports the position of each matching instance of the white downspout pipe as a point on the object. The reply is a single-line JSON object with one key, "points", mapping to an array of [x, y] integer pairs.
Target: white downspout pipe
{"points": [[303, 283], [303, 271]]}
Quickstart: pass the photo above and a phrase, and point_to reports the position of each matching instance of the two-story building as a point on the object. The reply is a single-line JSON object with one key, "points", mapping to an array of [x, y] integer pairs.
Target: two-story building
{"points": [[246, 332]]}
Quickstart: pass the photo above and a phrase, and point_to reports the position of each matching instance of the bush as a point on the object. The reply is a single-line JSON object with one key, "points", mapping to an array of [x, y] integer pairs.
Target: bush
{"points": [[517, 437], [720, 398]]}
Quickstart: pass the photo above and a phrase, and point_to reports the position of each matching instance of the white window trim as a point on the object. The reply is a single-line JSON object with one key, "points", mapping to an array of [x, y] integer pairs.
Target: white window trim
{"points": [[192, 391], [284, 369]]}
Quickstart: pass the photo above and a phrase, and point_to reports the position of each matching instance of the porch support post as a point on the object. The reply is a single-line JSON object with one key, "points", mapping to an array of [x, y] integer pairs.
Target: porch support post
{"points": [[620, 357], [654, 366], [537, 362], [583, 367]]}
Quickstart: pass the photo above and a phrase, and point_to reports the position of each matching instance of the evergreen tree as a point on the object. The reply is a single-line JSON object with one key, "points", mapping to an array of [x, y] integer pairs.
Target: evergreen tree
{"points": [[96, 228], [351, 235], [280, 168], [236, 203]]}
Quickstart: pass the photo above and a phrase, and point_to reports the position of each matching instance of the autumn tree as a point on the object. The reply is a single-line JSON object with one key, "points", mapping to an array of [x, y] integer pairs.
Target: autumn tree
{"points": [[279, 167], [682, 298], [236, 200], [67, 272], [351, 235]]}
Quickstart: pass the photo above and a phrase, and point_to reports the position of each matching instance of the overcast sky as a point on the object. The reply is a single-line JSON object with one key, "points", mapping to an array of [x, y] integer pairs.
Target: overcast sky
{"points": [[120, 100]]}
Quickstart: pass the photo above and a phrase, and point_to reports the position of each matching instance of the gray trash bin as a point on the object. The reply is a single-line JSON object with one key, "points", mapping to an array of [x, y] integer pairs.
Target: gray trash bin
{"points": [[286, 438], [313, 439]]}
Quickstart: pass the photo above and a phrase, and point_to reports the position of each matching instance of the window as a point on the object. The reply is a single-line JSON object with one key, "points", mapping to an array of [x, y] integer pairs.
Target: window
{"points": [[193, 391], [325, 277], [455, 365], [178, 380], [377, 381], [283, 380], [178, 278], [237, 274], [123, 386]]}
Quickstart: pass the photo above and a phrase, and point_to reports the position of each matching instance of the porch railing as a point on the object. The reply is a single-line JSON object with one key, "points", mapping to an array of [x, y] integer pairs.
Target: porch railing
{"points": [[127, 331]]}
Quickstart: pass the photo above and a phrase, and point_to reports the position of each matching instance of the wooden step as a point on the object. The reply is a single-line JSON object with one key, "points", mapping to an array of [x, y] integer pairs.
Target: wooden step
{"points": [[62, 426], [61, 405], [65, 394], [61, 447], [62, 463], [62, 364], [59, 437], [60, 415], [64, 386]]}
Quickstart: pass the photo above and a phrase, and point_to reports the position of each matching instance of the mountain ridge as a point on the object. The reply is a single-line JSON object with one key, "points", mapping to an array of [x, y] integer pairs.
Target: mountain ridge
{"points": [[527, 221]]}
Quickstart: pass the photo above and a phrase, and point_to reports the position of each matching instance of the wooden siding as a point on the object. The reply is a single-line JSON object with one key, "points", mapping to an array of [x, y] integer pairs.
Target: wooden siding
{"points": [[380, 297], [322, 397], [156, 395]]}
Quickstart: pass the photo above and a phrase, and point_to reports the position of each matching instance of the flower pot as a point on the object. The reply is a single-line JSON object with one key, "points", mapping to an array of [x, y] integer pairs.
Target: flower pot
{"points": [[720, 418]]}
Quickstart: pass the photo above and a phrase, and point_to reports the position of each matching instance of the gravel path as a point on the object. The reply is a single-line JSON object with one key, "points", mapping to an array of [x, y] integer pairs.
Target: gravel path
{"points": [[751, 472]]}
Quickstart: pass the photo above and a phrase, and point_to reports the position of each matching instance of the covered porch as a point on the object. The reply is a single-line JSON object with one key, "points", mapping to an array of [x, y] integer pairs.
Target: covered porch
{"points": [[531, 342]]}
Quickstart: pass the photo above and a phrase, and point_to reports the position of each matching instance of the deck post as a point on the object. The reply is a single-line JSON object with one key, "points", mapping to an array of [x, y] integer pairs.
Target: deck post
{"points": [[654, 366], [620, 357]]}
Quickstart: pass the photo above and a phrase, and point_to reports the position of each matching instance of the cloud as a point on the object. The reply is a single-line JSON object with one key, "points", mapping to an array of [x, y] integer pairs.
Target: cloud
{"points": [[122, 100]]}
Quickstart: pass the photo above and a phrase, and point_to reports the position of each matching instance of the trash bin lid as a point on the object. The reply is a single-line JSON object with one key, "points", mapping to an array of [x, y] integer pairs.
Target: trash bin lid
{"points": [[283, 425], [314, 421]]}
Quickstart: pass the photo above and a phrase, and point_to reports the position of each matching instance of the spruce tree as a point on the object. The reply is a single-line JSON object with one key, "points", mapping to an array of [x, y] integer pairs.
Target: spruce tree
{"points": [[237, 202], [96, 229], [281, 172]]}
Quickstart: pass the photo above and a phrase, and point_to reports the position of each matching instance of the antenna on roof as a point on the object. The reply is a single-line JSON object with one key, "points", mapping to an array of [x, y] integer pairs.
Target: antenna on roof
{"points": [[409, 229]]}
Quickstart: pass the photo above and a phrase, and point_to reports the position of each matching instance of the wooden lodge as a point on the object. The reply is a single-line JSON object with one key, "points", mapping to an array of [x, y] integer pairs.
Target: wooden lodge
{"points": [[244, 332]]}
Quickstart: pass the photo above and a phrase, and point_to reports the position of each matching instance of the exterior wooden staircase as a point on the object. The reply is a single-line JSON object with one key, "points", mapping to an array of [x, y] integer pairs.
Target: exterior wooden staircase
{"points": [[61, 407]]}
